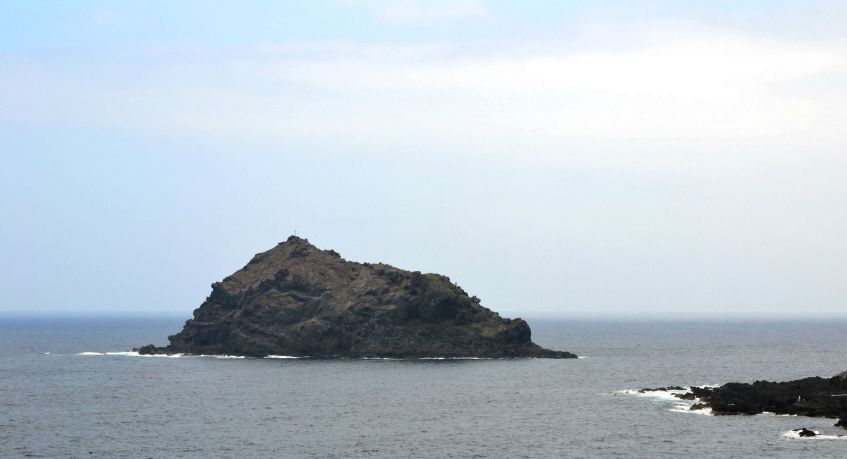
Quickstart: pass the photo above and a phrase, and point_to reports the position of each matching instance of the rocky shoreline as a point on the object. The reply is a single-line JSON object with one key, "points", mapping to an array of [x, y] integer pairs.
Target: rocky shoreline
{"points": [[298, 300], [814, 397]]}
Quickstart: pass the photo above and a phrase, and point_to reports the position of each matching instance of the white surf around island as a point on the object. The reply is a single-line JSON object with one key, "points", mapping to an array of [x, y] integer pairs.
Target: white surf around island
{"points": [[671, 397], [794, 434], [124, 354], [454, 358], [136, 354]]}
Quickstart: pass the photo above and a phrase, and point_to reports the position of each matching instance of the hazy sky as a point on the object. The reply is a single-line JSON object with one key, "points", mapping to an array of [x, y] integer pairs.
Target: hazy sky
{"points": [[569, 158]]}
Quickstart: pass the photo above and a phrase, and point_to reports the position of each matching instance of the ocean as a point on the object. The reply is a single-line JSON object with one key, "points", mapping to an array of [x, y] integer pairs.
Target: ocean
{"points": [[68, 388]]}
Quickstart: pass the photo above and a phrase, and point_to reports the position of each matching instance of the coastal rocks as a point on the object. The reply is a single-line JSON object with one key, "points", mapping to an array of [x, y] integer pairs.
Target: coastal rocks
{"points": [[823, 397], [147, 350], [804, 432], [814, 397], [298, 300]]}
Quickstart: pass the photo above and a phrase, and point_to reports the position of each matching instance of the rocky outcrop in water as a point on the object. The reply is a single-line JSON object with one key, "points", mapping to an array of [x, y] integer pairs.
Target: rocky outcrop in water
{"points": [[815, 396], [298, 300], [804, 432]]}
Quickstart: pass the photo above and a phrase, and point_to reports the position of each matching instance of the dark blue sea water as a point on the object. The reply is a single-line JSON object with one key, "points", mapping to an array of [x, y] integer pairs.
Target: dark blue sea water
{"points": [[64, 404]]}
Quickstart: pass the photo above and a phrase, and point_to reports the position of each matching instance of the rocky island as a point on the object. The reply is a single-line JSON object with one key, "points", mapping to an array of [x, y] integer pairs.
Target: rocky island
{"points": [[298, 300]]}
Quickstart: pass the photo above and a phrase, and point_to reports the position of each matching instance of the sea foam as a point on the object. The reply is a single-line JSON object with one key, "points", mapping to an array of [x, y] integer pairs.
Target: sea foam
{"points": [[678, 405], [127, 354], [795, 434], [171, 356]]}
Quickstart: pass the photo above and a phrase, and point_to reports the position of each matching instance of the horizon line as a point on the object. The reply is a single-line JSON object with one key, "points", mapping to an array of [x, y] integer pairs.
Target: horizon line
{"points": [[526, 315]]}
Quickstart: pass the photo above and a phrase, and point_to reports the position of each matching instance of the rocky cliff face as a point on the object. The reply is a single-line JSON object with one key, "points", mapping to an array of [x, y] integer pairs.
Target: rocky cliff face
{"points": [[298, 300]]}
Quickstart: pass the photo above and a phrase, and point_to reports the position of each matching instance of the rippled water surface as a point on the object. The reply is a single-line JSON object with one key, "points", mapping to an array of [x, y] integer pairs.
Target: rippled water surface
{"points": [[56, 401]]}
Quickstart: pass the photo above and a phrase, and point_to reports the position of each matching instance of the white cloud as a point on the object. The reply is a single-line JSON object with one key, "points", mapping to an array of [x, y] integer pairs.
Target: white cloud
{"points": [[696, 167], [706, 90], [399, 12]]}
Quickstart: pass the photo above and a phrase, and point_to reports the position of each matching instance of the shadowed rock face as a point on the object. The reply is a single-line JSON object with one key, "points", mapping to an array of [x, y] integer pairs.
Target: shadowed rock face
{"points": [[298, 300]]}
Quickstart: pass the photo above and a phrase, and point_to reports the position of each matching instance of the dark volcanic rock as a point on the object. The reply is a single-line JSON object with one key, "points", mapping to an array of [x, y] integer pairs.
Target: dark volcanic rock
{"points": [[298, 300], [148, 350], [806, 397], [804, 432], [661, 389]]}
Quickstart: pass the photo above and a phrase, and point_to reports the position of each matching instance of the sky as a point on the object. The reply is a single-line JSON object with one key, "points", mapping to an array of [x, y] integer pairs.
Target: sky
{"points": [[569, 159]]}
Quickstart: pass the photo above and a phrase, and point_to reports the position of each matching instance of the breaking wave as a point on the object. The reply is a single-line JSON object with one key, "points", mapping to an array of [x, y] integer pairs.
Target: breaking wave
{"points": [[169, 356], [795, 434], [678, 405], [126, 354]]}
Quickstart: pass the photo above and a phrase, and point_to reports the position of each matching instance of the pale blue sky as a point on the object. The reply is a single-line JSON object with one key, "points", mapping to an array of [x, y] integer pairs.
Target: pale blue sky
{"points": [[572, 159], [93, 26]]}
